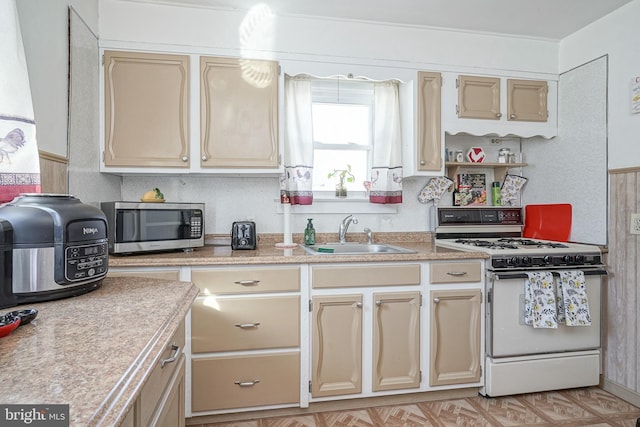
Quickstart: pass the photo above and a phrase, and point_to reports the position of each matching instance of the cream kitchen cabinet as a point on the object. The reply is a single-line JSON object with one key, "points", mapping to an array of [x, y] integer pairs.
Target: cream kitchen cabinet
{"points": [[146, 111], [455, 323], [152, 100], [347, 300], [499, 105], [245, 338], [239, 113], [426, 151], [161, 402]]}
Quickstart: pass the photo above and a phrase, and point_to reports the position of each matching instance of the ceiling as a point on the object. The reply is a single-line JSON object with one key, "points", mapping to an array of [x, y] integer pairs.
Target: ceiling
{"points": [[548, 19]]}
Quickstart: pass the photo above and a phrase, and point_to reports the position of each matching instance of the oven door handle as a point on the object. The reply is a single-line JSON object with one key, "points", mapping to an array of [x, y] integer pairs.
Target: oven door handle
{"points": [[587, 272]]}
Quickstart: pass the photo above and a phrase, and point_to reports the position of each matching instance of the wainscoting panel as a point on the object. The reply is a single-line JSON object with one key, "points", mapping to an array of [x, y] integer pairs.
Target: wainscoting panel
{"points": [[622, 341], [53, 173]]}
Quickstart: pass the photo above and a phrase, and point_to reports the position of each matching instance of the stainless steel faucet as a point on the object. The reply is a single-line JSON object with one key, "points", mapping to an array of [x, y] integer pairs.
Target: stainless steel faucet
{"points": [[344, 226]]}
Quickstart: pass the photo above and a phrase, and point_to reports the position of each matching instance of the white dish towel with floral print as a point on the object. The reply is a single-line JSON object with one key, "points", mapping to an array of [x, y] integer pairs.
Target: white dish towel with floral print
{"points": [[549, 301], [540, 309], [575, 305]]}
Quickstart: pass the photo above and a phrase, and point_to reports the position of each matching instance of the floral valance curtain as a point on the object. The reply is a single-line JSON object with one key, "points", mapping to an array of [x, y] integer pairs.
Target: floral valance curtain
{"points": [[19, 160], [296, 182], [386, 172]]}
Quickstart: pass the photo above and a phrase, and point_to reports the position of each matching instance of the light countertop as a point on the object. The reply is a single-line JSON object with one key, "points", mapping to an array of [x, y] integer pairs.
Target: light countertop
{"points": [[93, 351], [268, 253]]}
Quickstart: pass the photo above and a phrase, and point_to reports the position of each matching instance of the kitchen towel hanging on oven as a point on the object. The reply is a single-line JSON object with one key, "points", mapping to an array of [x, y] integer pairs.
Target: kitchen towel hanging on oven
{"points": [[549, 301], [574, 298]]}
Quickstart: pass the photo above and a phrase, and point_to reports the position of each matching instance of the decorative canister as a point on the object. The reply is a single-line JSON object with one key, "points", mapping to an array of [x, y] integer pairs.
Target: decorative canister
{"points": [[503, 155], [459, 156]]}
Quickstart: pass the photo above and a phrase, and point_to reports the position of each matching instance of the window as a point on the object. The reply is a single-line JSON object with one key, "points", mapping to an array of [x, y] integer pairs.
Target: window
{"points": [[342, 112]]}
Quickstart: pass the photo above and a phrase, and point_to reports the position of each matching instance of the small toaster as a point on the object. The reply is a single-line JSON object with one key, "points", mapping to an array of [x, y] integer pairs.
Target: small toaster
{"points": [[243, 235]]}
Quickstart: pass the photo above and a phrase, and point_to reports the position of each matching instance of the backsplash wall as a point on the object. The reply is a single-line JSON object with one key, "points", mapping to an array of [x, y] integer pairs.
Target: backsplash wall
{"points": [[235, 198]]}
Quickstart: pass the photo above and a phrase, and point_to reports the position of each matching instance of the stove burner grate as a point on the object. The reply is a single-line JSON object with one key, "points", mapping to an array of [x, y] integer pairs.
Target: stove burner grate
{"points": [[529, 242]]}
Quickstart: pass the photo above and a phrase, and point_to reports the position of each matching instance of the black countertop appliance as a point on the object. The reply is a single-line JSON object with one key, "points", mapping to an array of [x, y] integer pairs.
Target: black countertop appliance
{"points": [[53, 246]]}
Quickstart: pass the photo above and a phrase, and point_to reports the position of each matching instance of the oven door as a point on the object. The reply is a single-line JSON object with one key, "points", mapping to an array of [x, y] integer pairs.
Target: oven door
{"points": [[507, 334]]}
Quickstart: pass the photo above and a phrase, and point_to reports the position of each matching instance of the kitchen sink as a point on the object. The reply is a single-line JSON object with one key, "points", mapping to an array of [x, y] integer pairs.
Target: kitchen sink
{"points": [[354, 249]]}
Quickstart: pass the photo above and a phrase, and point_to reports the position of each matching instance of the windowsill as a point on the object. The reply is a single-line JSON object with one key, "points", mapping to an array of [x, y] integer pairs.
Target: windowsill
{"points": [[356, 204]]}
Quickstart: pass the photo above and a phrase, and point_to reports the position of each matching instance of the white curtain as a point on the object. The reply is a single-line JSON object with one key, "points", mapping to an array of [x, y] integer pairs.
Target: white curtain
{"points": [[386, 172], [296, 183], [19, 160]]}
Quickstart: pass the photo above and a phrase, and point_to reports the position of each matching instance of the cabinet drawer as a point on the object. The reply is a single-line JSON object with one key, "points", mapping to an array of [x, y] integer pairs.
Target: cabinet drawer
{"points": [[227, 324], [161, 375], [373, 275], [247, 280], [245, 381], [456, 272]]}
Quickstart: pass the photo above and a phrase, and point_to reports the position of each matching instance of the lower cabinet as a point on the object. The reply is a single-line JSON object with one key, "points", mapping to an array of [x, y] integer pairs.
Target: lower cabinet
{"points": [[245, 338], [162, 400], [455, 323], [390, 349]]}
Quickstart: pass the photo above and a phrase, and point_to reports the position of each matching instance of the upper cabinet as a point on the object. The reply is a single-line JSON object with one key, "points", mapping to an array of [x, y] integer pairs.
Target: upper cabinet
{"points": [[146, 110], [152, 103], [238, 113], [422, 112], [478, 97], [481, 105], [527, 100]]}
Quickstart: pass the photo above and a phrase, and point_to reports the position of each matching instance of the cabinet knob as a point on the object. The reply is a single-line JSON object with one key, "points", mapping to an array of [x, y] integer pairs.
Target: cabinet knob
{"points": [[513, 116], [358, 305], [436, 300], [185, 159], [204, 157], [422, 162], [498, 115], [378, 303]]}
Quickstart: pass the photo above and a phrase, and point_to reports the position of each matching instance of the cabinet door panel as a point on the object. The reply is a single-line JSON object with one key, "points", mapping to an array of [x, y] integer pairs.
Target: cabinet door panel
{"points": [[429, 150], [146, 109], [336, 345], [239, 112], [527, 100], [455, 337], [479, 97], [396, 341]]}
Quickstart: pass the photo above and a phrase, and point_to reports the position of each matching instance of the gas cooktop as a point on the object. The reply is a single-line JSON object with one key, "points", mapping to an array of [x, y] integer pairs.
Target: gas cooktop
{"points": [[508, 252]]}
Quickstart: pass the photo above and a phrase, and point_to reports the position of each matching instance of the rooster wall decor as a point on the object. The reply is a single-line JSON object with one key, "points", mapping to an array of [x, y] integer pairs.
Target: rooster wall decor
{"points": [[12, 142]]}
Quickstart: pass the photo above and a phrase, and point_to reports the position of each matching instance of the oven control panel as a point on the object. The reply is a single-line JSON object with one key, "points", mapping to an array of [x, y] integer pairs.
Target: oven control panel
{"points": [[532, 261], [480, 216]]}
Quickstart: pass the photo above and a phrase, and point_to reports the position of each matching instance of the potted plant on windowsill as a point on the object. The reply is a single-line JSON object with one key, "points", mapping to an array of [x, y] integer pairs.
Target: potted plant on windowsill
{"points": [[343, 175]]}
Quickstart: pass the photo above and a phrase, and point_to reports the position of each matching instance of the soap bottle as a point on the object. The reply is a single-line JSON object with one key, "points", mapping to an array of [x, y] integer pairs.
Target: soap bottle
{"points": [[495, 194], [309, 234]]}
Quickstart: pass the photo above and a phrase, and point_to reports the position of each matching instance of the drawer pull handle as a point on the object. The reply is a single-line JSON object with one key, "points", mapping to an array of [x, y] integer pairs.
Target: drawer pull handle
{"points": [[457, 273], [247, 282], [176, 351], [247, 383], [247, 325]]}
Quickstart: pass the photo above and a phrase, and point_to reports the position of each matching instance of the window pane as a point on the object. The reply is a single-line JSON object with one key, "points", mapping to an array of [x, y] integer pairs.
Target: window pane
{"points": [[325, 161], [341, 123]]}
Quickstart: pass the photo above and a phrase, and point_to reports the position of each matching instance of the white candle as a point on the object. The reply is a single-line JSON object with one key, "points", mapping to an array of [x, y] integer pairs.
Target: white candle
{"points": [[286, 213]]}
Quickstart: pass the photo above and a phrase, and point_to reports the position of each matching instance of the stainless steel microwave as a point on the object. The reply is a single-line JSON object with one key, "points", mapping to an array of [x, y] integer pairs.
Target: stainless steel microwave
{"points": [[144, 227]]}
